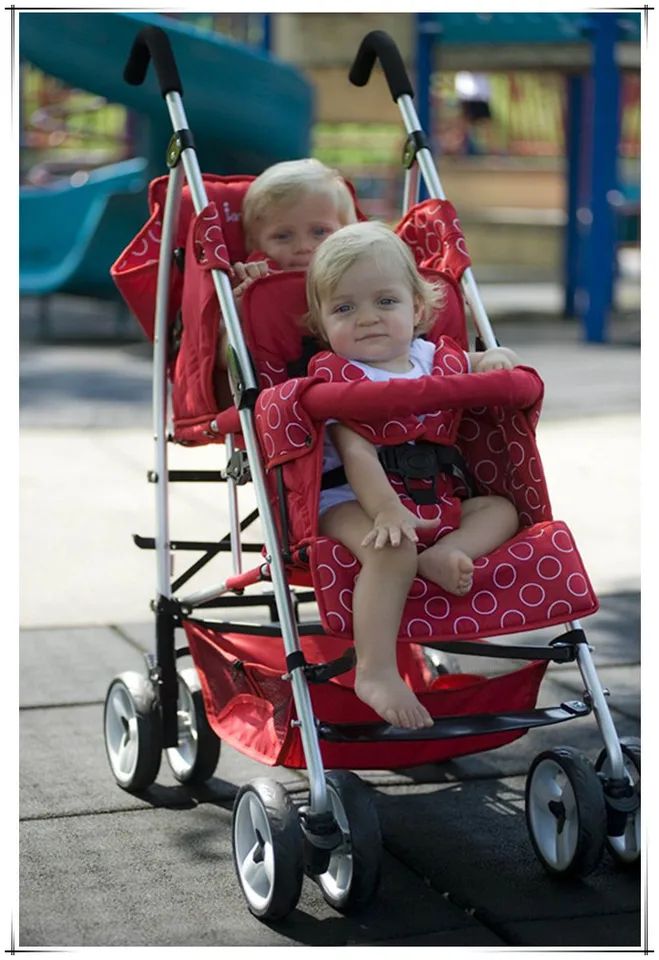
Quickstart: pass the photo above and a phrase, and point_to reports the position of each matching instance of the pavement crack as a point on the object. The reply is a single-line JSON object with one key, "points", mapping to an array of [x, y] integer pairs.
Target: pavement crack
{"points": [[61, 706]]}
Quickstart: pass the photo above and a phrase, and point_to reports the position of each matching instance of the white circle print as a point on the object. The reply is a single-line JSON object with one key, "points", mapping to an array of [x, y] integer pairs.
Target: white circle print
{"points": [[424, 631], [499, 576], [549, 568], [532, 594], [484, 603]]}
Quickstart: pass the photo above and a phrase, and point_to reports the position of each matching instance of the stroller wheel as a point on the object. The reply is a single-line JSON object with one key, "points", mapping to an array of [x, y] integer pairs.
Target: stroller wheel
{"points": [[195, 757], [626, 848], [267, 848], [353, 875], [133, 733], [565, 812]]}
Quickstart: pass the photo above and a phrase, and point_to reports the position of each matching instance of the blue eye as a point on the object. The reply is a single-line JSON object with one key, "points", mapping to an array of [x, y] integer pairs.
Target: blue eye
{"points": [[342, 308], [321, 231], [388, 301], [282, 236]]}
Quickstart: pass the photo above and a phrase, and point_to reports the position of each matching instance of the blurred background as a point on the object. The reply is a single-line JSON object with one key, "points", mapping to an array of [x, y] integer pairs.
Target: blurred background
{"points": [[534, 121]]}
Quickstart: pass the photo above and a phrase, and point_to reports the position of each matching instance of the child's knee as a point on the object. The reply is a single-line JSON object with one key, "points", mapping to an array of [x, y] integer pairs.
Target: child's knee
{"points": [[401, 560]]}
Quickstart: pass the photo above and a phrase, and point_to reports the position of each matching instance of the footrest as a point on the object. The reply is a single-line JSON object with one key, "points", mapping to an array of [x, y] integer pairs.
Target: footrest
{"points": [[446, 728]]}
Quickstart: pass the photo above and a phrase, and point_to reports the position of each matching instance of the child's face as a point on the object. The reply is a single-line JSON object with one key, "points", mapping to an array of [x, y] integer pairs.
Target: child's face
{"points": [[371, 315], [292, 233]]}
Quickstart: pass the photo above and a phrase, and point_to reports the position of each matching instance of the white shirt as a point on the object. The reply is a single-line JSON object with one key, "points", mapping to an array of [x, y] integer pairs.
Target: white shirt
{"points": [[422, 356]]}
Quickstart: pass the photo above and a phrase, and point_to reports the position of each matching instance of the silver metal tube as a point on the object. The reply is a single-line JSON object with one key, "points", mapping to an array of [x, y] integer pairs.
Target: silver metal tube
{"points": [[318, 793], [160, 385], [435, 189], [194, 599], [600, 706], [410, 188], [220, 279], [291, 640], [234, 516]]}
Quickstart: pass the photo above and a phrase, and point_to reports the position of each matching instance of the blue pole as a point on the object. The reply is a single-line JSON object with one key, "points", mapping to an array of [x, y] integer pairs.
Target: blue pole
{"points": [[600, 246], [424, 43], [574, 158], [426, 31], [266, 34]]}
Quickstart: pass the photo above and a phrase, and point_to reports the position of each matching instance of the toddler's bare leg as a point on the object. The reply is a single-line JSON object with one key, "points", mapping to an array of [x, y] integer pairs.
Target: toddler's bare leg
{"points": [[377, 608], [487, 522]]}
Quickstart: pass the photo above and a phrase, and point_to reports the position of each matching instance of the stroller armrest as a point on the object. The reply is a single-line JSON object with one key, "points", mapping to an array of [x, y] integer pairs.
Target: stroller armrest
{"points": [[517, 389]]}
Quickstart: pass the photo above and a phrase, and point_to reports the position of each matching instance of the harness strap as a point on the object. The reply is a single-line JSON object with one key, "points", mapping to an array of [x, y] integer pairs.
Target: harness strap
{"points": [[420, 460]]}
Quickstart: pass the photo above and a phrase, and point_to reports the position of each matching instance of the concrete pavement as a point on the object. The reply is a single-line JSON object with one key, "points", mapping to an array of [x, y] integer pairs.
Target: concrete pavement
{"points": [[100, 867]]}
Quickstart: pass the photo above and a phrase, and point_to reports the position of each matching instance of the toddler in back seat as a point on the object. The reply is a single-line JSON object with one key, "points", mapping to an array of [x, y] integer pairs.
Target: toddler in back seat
{"points": [[287, 212], [368, 302]]}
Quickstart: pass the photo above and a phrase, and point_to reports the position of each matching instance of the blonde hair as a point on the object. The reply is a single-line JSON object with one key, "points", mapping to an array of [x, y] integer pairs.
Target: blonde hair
{"points": [[289, 182], [373, 240]]}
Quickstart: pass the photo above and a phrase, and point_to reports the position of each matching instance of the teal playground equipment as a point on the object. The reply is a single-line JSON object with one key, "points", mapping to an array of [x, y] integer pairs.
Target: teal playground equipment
{"points": [[591, 49], [248, 111]]}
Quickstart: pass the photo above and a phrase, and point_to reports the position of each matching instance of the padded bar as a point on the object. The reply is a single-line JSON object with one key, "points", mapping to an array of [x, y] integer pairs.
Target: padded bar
{"points": [[152, 43], [378, 45], [447, 728], [364, 400]]}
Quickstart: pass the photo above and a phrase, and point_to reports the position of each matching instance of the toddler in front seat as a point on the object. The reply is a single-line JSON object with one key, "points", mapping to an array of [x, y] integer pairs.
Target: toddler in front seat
{"points": [[368, 302]]}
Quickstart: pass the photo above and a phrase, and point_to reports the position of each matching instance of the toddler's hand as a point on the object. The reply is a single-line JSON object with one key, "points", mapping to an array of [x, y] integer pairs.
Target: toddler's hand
{"points": [[244, 274], [392, 524], [496, 358]]}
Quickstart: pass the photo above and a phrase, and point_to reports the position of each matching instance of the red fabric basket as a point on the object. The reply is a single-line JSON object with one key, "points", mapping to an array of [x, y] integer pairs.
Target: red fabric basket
{"points": [[250, 706]]}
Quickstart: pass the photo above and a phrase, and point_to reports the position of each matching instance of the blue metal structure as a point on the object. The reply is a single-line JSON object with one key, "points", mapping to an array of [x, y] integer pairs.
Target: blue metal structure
{"points": [[592, 128]]}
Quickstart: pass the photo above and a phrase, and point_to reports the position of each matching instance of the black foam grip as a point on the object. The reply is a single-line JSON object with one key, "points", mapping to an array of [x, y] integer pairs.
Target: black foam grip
{"points": [[152, 43], [379, 45]]}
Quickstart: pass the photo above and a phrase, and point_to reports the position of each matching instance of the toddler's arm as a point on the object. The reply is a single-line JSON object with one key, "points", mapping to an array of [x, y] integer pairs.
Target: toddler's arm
{"points": [[376, 496], [242, 276]]}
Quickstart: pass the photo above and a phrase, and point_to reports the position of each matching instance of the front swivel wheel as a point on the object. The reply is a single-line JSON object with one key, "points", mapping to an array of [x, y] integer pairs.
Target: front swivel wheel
{"points": [[565, 812], [267, 848], [133, 731], [625, 848], [353, 873]]}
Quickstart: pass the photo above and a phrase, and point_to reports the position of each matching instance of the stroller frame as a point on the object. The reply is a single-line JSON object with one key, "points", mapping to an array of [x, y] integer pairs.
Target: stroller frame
{"points": [[317, 820]]}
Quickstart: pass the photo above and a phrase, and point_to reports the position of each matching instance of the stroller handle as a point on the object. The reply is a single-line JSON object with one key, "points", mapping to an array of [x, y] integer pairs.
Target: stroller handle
{"points": [[379, 45], [152, 43]]}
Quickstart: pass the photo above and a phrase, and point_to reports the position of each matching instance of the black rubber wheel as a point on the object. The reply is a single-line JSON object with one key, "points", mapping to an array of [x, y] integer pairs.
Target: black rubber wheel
{"points": [[133, 731], [195, 757], [565, 812], [353, 876], [267, 848], [626, 849]]}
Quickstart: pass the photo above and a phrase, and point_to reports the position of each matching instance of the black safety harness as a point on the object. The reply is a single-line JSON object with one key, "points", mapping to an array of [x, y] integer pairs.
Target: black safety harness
{"points": [[419, 460]]}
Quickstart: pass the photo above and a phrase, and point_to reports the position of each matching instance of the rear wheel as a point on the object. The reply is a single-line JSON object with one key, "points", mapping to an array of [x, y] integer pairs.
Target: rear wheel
{"points": [[195, 757], [133, 731], [353, 874], [626, 848], [565, 812]]}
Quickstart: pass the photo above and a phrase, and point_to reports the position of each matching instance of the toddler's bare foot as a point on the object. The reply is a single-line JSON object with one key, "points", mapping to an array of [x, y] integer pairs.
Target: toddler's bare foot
{"points": [[452, 570], [387, 693]]}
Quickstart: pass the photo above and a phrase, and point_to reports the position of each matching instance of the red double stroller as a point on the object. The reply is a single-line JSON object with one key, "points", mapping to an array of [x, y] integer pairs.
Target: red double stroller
{"points": [[282, 693]]}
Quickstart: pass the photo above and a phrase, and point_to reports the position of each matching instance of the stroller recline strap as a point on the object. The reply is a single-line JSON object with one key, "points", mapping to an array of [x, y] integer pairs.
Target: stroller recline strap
{"points": [[321, 672]]}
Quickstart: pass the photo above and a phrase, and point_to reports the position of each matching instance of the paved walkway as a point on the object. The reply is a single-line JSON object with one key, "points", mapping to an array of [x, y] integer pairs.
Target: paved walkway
{"points": [[103, 868]]}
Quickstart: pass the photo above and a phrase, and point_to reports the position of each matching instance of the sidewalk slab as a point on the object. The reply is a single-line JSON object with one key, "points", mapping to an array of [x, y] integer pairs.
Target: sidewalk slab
{"points": [[165, 877], [475, 848]]}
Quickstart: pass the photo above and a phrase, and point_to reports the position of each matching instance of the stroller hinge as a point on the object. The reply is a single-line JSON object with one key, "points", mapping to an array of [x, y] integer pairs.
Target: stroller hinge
{"points": [[322, 835], [181, 140], [417, 140]]}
